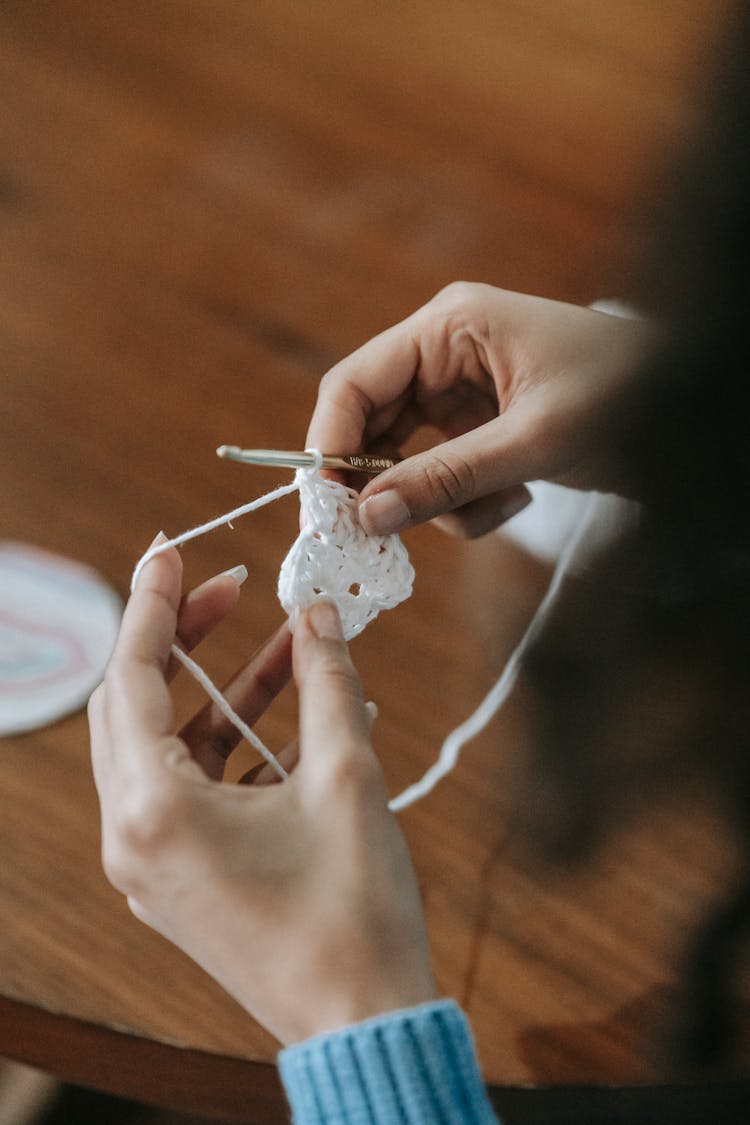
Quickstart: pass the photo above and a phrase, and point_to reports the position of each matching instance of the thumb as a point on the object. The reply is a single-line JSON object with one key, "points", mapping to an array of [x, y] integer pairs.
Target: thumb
{"points": [[487, 461], [334, 721]]}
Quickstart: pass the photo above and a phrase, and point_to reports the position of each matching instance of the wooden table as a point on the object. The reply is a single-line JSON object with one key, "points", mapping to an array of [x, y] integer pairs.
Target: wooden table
{"points": [[203, 204]]}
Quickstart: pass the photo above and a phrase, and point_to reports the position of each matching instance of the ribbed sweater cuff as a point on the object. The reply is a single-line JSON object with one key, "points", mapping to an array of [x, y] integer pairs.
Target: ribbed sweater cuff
{"points": [[413, 1067]]}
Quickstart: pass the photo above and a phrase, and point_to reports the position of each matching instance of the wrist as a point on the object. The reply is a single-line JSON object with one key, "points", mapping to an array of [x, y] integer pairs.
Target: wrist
{"points": [[334, 1012]]}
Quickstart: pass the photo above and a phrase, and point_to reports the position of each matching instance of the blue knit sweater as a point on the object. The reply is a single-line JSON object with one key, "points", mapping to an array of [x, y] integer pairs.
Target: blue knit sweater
{"points": [[413, 1067]]}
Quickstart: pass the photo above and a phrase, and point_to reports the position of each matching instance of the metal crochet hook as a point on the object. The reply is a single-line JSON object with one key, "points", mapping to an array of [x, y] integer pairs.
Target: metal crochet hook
{"points": [[298, 459]]}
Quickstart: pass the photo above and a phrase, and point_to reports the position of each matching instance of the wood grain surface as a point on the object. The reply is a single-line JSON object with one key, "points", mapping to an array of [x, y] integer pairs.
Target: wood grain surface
{"points": [[203, 204]]}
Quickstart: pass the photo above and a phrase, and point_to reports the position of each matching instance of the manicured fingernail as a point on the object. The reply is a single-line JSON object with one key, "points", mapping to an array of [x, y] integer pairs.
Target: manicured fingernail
{"points": [[513, 505], [238, 573], [384, 513], [160, 538], [324, 620]]}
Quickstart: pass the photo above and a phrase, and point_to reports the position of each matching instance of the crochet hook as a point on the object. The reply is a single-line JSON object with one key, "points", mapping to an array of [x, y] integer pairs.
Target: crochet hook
{"points": [[298, 459]]}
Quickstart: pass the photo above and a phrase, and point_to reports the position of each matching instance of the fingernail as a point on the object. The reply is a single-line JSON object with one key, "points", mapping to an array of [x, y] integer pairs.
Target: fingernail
{"points": [[238, 573], [384, 513], [513, 505], [160, 538], [324, 620]]}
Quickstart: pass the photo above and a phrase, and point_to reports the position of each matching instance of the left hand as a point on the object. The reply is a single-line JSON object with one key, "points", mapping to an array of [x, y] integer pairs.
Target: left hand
{"points": [[298, 897]]}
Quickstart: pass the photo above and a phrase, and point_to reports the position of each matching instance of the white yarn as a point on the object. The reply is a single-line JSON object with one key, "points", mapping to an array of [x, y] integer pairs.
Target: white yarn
{"points": [[226, 709], [195, 669], [332, 557], [496, 697], [204, 528]]}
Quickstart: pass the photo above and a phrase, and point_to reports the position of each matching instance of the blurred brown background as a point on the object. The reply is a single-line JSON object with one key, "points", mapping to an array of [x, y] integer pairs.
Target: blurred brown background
{"points": [[203, 205]]}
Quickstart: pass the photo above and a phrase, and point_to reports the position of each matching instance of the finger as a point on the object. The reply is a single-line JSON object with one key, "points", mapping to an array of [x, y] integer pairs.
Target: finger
{"points": [[334, 721], [455, 411], [486, 514], [210, 736], [438, 344], [98, 737], [138, 911], [137, 701], [372, 377], [203, 608], [265, 774], [493, 457]]}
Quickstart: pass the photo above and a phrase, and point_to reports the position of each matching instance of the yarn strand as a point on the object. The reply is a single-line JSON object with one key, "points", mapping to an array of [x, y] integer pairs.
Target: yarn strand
{"points": [[195, 670], [381, 574], [204, 528], [227, 710], [496, 697], [291, 581]]}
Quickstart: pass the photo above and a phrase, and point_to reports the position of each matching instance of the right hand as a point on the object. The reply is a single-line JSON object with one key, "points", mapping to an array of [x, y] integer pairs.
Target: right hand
{"points": [[522, 389]]}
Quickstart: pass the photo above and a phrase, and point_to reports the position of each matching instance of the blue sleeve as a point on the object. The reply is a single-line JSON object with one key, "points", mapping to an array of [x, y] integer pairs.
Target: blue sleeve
{"points": [[413, 1067]]}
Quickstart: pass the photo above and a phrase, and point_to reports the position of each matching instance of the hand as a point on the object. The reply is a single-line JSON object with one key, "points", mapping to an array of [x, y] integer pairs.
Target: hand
{"points": [[522, 388], [298, 897]]}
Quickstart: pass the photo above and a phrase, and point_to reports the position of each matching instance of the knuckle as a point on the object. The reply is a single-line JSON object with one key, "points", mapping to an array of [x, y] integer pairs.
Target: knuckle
{"points": [[544, 433], [141, 912], [145, 823], [120, 869], [339, 389], [137, 837], [329, 383], [450, 481], [461, 311], [355, 774], [457, 295], [116, 683], [335, 669]]}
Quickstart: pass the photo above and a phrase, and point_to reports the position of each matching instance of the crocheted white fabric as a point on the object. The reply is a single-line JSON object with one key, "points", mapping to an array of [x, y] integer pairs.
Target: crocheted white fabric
{"points": [[332, 557]]}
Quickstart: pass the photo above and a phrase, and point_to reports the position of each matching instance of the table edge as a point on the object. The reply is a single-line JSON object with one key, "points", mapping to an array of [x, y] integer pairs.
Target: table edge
{"points": [[241, 1091]]}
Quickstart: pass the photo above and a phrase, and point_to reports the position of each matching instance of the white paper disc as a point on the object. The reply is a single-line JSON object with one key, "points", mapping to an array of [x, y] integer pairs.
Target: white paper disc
{"points": [[58, 623]]}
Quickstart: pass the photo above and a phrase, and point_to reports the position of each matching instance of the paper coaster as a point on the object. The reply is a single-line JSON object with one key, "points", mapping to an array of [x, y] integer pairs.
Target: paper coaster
{"points": [[58, 623]]}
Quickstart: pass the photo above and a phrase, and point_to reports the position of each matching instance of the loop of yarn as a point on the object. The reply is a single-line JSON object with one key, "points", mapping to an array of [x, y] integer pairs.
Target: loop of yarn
{"points": [[334, 558]]}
